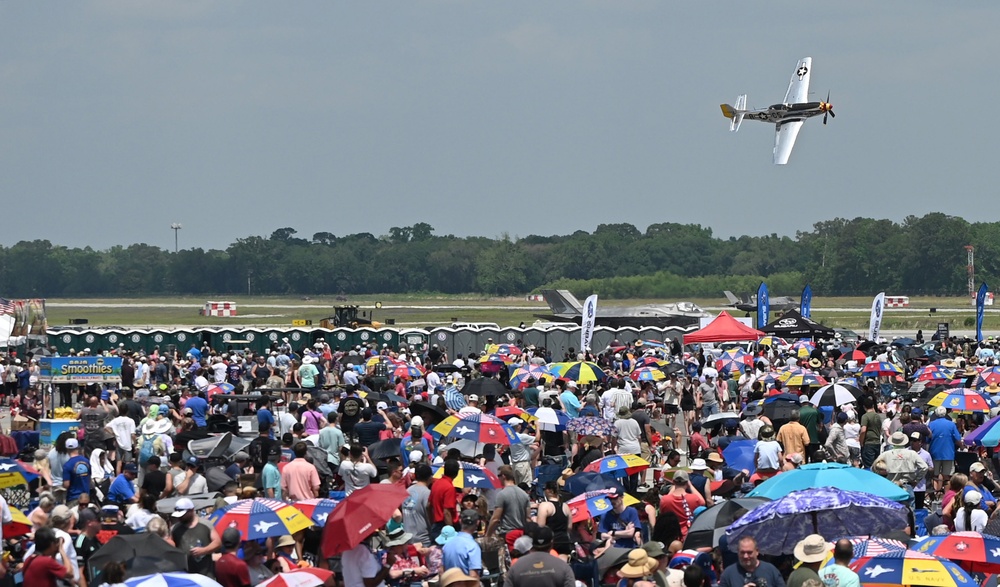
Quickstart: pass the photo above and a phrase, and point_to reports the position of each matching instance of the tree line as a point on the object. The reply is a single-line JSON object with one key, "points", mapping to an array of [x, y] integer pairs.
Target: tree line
{"points": [[918, 256]]}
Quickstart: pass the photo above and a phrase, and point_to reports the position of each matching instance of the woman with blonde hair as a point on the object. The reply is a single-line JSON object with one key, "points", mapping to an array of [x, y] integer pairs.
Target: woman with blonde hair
{"points": [[40, 515]]}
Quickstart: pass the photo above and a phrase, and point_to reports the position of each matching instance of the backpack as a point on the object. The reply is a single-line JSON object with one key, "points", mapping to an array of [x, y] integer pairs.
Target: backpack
{"points": [[146, 448]]}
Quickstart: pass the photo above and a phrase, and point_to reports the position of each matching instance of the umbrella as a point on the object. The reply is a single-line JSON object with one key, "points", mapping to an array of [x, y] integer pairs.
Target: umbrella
{"points": [[470, 475], [711, 524], [430, 413], [385, 449], [172, 580], [309, 577], [590, 426], [874, 546], [717, 420], [201, 501], [217, 388], [647, 374], [260, 518], [802, 348], [484, 386], [805, 380], [908, 567], [19, 524], [477, 427], [579, 371], [989, 376], [855, 355], [779, 407], [503, 350], [933, 373], [773, 341], [849, 382], [988, 434], [974, 552], [836, 475], [361, 514], [881, 368], [13, 473], [587, 481], [963, 400], [406, 372], [317, 509], [550, 419], [735, 358], [469, 448], [780, 524], [610, 558], [505, 412], [739, 455], [834, 395], [618, 465], [520, 375], [143, 554], [594, 504], [649, 361]]}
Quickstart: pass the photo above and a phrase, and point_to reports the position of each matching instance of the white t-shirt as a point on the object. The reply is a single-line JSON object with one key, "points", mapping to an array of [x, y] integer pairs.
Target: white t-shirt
{"points": [[852, 430], [124, 428], [358, 563], [220, 372], [357, 475], [979, 519], [767, 451], [629, 433]]}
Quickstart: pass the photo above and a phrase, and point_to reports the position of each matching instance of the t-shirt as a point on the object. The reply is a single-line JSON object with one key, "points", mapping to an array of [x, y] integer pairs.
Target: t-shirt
{"points": [[540, 569], [838, 576], [629, 433], [709, 394], [271, 479], [615, 522], [462, 552], [944, 434], [765, 575], [809, 417], [804, 577], [230, 571], [443, 498], [93, 419], [124, 428], [308, 375], [368, 432], [186, 538], [357, 475], [350, 410], [42, 571], [358, 563], [154, 482], [121, 490], [77, 470], [514, 502], [682, 507], [415, 513], [767, 452], [199, 407], [873, 422]]}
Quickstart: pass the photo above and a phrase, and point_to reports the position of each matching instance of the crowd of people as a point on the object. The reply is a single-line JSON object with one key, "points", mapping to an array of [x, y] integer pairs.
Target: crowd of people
{"points": [[332, 421]]}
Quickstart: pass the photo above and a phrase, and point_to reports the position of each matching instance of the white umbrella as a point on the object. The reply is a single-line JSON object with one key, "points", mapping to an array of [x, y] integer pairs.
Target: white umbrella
{"points": [[834, 395], [172, 580], [547, 419]]}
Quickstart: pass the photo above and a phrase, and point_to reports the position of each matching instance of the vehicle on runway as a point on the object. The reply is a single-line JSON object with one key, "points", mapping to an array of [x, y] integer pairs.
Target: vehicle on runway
{"points": [[788, 116], [748, 303], [566, 308]]}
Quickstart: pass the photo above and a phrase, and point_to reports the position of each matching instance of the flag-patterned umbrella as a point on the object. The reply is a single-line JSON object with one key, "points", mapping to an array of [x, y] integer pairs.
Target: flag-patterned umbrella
{"points": [[14, 473], [308, 577], [933, 373], [962, 400], [908, 567], [974, 552], [802, 348], [805, 380], [594, 504], [470, 475], [317, 509], [989, 376], [260, 518], [503, 350], [881, 369], [406, 372], [618, 465], [476, 427], [773, 341], [507, 412]]}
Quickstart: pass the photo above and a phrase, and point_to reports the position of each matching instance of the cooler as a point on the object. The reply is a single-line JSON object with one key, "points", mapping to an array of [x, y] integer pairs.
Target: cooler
{"points": [[49, 430]]}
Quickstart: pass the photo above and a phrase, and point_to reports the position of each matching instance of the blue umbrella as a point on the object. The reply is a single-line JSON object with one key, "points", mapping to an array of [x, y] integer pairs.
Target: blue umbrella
{"points": [[739, 455], [587, 481], [835, 475], [779, 525]]}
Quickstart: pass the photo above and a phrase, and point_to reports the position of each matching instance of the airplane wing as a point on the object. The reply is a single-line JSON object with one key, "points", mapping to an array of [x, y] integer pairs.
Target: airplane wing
{"points": [[784, 139], [798, 87]]}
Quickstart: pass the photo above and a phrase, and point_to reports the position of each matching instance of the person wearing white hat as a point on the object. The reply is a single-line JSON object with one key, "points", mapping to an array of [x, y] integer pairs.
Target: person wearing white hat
{"points": [[197, 539], [811, 551], [903, 466], [972, 517]]}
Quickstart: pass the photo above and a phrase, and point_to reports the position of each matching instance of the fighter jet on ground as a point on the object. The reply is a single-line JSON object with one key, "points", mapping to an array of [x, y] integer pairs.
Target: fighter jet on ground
{"points": [[566, 308], [786, 117], [748, 304]]}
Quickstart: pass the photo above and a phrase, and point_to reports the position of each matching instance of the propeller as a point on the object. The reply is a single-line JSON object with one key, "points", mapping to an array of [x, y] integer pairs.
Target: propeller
{"points": [[827, 108]]}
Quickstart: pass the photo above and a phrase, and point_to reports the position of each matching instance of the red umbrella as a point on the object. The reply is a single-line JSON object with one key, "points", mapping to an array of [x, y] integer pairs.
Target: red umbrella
{"points": [[360, 515], [310, 577]]}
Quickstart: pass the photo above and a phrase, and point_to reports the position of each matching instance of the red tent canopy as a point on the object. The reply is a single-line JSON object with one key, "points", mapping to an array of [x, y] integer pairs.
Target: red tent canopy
{"points": [[724, 328]]}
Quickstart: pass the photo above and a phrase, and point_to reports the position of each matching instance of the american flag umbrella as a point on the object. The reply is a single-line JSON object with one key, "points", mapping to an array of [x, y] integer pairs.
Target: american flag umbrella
{"points": [[962, 400], [933, 373], [478, 428], [172, 580], [618, 465], [594, 504], [310, 577], [507, 412], [470, 475], [974, 552], [881, 368], [406, 372], [990, 376], [14, 473], [909, 567], [503, 350], [260, 518], [317, 509], [773, 341], [649, 361], [805, 380], [874, 546]]}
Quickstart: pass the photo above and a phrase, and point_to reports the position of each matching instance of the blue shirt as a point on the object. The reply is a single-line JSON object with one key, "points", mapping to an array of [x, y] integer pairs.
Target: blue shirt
{"points": [[570, 403], [944, 435], [987, 496], [77, 471], [199, 407], [612, 522], [271, 479], [121, 490], [462, 552], [264, 416]]}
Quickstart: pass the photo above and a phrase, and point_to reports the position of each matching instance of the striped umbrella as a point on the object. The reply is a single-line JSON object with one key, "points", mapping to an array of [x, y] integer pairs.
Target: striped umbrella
{"points": [[520, 375], [470, 475], [318, 509], [476, 427], [735, 358], [881, 369], [260, 518], [619, 465], [963, 400], [802, 348], [579, 371], [594, 504], [987, 434], [647, 374]]}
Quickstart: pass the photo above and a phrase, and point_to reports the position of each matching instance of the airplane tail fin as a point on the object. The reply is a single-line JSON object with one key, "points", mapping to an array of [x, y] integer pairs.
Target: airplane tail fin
{"points": [[735, 113], [561, 301], [732, 298]]}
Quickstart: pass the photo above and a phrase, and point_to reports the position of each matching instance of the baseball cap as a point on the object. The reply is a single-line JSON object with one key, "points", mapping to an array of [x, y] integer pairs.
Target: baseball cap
{"points": [[416, 456], [417, 421], [977, 468], [515, 421], [469, 517], [543, 537], [72, 443], [192, 461], [231, 538], [60, 514], [972, 496], [473, 398], [183, 506], [130, 468], [681, 477]]}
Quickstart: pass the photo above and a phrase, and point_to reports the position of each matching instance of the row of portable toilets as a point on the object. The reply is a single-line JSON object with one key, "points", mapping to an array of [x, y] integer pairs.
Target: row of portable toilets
{"points": [[454, 341]]}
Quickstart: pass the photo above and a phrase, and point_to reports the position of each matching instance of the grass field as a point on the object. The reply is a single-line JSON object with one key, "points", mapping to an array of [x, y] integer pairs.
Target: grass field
{"points": [[437, 310]]}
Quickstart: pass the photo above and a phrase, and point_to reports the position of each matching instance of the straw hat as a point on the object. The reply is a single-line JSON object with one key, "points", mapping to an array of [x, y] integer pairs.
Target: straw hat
{"points": [[639, 565]]}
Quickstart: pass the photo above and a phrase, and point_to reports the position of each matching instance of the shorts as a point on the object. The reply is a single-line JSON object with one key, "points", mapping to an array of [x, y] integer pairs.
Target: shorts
{"points": [[124, 456], [671, 409], [944, 468], [522, 472]]}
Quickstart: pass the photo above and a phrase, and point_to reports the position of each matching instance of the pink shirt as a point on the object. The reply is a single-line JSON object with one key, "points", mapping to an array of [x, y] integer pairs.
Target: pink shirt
{"points": [[298, 480]]}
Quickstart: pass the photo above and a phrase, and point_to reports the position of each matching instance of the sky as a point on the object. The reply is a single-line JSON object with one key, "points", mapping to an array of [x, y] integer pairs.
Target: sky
{"points": [[235, 118]]}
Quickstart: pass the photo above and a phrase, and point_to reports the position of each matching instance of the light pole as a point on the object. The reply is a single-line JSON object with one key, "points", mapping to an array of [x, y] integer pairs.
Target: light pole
{"points": [[175, 227]]}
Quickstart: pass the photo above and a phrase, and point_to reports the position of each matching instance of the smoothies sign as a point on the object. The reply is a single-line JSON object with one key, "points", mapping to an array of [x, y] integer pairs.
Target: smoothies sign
{"points": [[80, 369]]}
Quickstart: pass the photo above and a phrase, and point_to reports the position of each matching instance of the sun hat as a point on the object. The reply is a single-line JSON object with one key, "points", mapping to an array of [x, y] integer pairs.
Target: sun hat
{"points": [[639, 565], [285, 540], [898, 439], [698, 465], [715, 457], [812, 549], [454, 575], [447, 533], [398, 537]]}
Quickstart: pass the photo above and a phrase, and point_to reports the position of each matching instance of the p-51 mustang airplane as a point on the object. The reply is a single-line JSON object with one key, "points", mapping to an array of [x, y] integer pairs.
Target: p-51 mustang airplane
{"points": [[787, 116]]}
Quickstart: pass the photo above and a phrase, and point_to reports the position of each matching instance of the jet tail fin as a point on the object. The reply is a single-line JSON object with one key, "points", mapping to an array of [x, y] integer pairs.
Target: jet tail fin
{"points": [[735, 113], [561, 301], [732, 298]]}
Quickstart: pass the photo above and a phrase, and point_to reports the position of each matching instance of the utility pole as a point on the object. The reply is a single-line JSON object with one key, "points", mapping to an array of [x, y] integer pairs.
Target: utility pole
{"points": [[176, 228], [971, 269]]}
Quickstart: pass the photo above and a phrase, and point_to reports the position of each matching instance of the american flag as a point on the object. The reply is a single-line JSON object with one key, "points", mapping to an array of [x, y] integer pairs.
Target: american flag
{"points": [[864, 546], [6, 307]]}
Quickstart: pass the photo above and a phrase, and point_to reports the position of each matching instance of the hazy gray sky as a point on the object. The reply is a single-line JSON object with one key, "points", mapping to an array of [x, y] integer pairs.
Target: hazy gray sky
{"points": [[118, 117]]}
